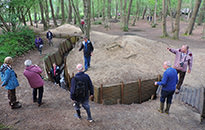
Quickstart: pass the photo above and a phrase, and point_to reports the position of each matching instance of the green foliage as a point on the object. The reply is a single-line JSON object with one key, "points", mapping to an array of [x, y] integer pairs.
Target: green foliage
{"points": [[154, 25], [97, 22], [3, 127], [16, 43], [125, 29]]}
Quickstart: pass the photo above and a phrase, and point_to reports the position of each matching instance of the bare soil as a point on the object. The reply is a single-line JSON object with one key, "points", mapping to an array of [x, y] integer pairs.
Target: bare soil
{"points": [[57, 111]]}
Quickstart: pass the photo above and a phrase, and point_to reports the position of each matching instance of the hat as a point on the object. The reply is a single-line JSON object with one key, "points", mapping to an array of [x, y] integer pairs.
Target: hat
{"points": [[79, 67], [28, 63]]}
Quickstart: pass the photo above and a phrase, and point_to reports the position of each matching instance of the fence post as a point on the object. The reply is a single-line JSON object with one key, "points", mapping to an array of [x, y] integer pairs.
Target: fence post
{"points": [[122, 92], [139, 91], [101, 93]]}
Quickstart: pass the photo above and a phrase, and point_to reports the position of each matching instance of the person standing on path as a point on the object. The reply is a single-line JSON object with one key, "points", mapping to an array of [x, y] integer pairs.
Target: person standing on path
{"points": [[49, 36], [39, 44], [87, 51], [81, 90], [183, 59], [32, 73], [168, 83], [10, 82]]}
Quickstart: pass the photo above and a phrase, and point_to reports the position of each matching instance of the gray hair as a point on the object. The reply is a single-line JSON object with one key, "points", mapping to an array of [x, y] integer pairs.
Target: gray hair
{"points": [[28, 63], [168, 63]]}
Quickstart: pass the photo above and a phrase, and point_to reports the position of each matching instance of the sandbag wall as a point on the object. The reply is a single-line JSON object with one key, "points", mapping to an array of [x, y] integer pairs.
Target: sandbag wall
{"points": [[126, 93], [59, 58], [194, 97]]}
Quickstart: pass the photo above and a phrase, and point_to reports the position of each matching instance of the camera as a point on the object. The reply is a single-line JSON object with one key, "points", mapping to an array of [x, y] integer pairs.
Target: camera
{"points": [[182, 64]]}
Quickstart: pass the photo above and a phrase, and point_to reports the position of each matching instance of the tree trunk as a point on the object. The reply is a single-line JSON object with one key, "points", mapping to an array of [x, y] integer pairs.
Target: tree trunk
{"points": [[109, 9], [93, 10], [69, 12], [191, 9], [136, 14], [121, 11], [29, 15], [193, 18], [164, 20], [129, 11], [62, 12], [47, 12], [170, 12], [103, 10], [177, 22], [23, 18], [58, 9], [203, 35], [144, 12], [202, 14], [42, 15], [77, 14], [52, 12], [155, 13], [5, 24], [87, 14], [98, 9], [35, 17], [125, 28], [116, 11]]}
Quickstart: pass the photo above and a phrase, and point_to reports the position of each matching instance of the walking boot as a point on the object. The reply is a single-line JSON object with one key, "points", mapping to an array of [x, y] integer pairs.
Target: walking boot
{"points": [[16, 105], [167, 108], [161, 109]]}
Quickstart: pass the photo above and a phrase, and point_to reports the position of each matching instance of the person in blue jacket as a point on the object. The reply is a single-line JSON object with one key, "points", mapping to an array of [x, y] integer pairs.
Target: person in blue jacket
{"points": [[10, 82], [49, 36], [168, 83], [88, 92], [39, 44], [87, 51]]}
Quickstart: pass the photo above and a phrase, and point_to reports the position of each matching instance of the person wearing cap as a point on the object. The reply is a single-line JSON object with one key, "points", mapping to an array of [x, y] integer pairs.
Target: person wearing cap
{"points": [[39, 44], [32, 73], [87, 51], [10, 82], [168, 84], [183, 60], [89, 92]]}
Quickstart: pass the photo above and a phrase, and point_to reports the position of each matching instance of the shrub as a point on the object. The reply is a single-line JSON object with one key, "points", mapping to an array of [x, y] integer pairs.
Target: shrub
{"points": [[16, 43], [97, 22]]}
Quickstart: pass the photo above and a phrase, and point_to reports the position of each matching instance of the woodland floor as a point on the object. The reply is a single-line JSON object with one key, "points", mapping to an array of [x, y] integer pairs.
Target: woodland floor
{"points": [[57, 111]]}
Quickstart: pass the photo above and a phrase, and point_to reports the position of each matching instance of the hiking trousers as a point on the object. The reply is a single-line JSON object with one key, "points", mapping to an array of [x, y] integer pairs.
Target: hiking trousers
{"points": [[86, 106], [166, 95], [40, 94], [87, 62]]}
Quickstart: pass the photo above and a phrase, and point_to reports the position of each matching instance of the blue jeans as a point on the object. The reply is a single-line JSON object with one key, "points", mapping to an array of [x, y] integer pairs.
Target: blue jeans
{"points": [[87, 62], [166, 95], [40, 94], [86, 106]]}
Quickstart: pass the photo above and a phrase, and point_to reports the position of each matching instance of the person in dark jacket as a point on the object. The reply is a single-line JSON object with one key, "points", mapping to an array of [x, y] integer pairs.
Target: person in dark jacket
{"points": [[89, 92], [169, 82], [39, 44], [49, 36], [10, 82], [87, 51], [55, 73]]}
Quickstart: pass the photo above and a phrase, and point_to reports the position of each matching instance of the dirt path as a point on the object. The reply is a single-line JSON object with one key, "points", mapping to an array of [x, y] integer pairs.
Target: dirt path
{"points": [[57, 111]]}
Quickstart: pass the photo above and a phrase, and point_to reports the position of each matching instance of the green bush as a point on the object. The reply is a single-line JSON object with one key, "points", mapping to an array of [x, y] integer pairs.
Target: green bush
{"points": [[97, 22], [16, 43]]}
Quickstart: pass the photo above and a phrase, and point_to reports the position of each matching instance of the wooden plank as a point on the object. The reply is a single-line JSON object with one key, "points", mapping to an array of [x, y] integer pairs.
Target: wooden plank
{"points": [[101, 93], [140, 91], [122, 92]]}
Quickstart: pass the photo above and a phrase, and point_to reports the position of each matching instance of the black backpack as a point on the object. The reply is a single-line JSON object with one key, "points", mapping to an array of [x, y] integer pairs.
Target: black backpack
{"points": [[80, 89]]}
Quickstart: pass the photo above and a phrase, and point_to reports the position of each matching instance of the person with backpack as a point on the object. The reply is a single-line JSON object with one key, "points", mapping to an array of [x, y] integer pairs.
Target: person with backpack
{"points": [[55, 73], [49, 36], [10, 82], [32, 73], [87, 50], [81, 90], [39, 44]]}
